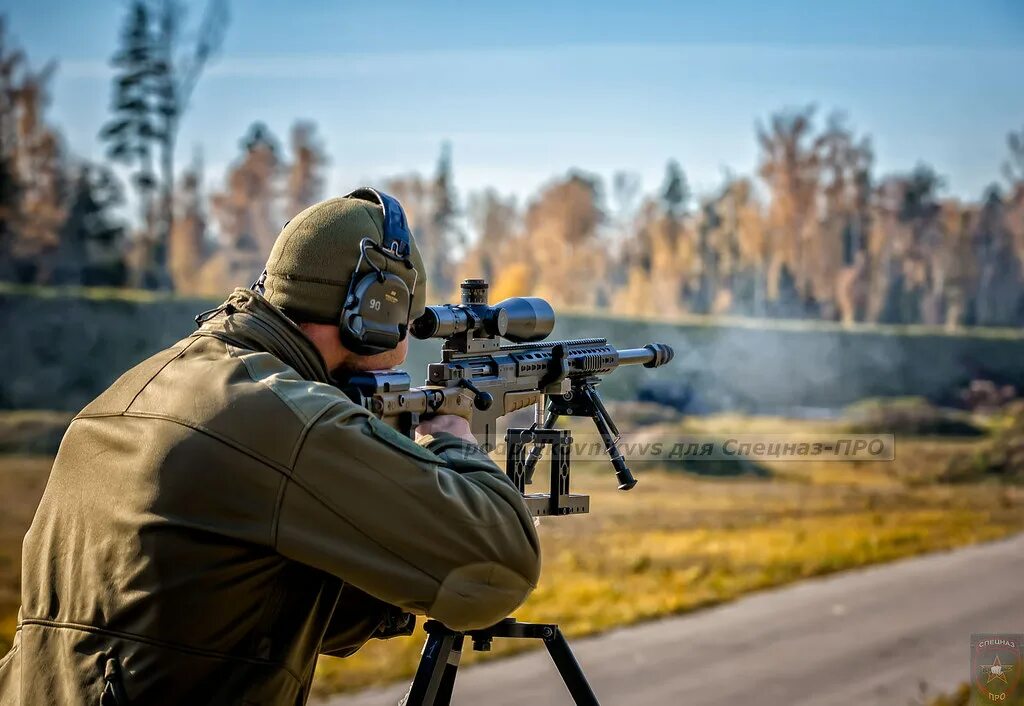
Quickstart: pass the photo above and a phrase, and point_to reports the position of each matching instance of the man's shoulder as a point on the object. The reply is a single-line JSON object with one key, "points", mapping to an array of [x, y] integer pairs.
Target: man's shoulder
{"points": [[307, 399], [120, 395], [248, 398]]}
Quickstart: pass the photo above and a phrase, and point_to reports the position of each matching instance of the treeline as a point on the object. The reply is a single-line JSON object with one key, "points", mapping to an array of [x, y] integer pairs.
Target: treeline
{"points": [[815, 233], [59, 214]]}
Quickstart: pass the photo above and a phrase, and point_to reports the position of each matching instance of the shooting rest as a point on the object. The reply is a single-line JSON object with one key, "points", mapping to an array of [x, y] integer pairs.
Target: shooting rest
{"points": [[439, 662], [518, 467]]}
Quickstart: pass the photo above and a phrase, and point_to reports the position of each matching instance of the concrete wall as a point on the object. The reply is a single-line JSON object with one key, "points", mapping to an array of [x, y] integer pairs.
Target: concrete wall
{"points": [[60, 349]]}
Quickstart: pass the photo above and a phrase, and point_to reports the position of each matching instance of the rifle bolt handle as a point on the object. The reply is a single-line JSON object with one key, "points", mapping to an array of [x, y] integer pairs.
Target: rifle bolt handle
{"points": [[481, 400]]}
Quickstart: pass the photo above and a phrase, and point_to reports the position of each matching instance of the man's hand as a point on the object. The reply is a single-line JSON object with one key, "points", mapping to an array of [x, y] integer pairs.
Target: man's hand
{"points": [[450, 423]]}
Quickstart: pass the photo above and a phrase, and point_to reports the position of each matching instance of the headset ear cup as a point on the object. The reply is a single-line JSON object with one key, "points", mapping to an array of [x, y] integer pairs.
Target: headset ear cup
{"points": [[375, 320]]}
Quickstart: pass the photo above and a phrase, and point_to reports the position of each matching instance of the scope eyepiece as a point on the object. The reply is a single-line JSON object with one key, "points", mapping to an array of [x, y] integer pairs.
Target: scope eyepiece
{"points": [[438, 322]]}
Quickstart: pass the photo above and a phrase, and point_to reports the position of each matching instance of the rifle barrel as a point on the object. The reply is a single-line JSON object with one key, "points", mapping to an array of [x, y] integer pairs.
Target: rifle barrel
{"points": [[650, 356]]}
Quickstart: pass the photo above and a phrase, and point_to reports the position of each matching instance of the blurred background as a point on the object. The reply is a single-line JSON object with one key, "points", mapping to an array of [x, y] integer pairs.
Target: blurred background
{"points": [[820, 205]]}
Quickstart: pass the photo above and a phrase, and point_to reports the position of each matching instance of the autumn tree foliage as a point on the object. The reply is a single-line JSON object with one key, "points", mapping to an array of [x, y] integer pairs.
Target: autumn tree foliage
{"points": [[435, 216], [188, 246], [563, 239], [496, 221], [33, 186], [56, 222], [223, 240], [247, 211], [306, 173], [814, 233]]}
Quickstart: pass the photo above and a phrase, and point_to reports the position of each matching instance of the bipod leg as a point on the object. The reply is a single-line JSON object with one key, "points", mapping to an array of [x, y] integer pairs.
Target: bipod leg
{"points": [[569, 669], [439, 663], [609, 434]]}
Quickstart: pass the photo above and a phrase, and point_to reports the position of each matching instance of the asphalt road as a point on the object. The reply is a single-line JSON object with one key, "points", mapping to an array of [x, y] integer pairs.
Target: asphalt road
{"points": [[859, 638]]}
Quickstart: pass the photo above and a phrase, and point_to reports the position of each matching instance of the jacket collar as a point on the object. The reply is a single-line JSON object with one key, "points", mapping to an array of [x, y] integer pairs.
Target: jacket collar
{"points": [[248, 320]]}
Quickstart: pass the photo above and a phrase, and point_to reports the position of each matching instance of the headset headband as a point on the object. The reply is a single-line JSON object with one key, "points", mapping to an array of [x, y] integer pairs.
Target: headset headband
{"points": [[396, 228]]}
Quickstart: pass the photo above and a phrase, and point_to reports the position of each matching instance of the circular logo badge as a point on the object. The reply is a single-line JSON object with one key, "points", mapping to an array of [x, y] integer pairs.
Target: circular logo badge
{"points": [[996, 665]]}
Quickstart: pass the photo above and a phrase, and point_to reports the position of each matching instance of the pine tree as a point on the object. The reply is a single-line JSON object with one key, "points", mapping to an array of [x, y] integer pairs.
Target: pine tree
{"points": [[675, 196], [1013, 168], [445, 235], [130, 132], [90, 251]]}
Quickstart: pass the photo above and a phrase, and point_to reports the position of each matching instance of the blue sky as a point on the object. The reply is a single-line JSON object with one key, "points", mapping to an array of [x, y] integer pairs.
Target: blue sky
{"points": [[525, 90]]}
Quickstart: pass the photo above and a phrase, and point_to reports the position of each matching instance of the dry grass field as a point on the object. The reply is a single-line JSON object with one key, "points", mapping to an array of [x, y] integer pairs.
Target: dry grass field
{"points": [[22, 479], [680, 540]]}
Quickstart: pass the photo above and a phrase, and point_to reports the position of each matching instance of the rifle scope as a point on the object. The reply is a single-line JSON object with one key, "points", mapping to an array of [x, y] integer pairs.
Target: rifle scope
{"points": [[518, 319]]}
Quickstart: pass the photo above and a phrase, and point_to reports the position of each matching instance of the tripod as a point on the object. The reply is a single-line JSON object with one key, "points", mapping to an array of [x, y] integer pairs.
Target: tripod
{"points": [[435, 677], [439, 663]]}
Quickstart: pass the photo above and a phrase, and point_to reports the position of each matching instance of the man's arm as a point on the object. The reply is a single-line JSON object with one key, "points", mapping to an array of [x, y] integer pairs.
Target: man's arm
{"points": [[437, 530], [359, 617]]}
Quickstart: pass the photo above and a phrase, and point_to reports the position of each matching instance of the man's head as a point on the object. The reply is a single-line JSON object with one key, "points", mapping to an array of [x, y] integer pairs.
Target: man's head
{"points": [[320, 259]]}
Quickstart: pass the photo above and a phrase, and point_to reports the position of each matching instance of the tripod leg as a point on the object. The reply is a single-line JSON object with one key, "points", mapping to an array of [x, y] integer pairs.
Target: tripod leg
{"points": [[435, 676], [444, 689], [569, 669]]}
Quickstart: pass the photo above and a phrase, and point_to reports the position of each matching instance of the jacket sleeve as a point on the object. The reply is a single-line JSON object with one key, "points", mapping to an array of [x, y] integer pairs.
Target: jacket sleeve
{"points": [[435, 529], [358, 617]]}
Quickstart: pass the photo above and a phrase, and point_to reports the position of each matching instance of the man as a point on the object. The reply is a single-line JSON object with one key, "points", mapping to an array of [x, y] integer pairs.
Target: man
{"points": [[222, 514]]}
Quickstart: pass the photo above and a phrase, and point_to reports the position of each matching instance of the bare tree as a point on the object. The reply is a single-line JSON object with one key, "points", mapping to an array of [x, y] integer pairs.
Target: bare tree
{"points": [[157, 75]]}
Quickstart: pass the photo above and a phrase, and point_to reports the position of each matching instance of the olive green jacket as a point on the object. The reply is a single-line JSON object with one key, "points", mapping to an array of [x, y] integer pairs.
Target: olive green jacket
{"points": [[221, 515]]}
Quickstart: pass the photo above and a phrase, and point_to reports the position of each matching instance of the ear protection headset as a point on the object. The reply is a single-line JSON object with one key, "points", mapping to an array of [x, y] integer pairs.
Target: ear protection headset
{"points": [[375, 315]]}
